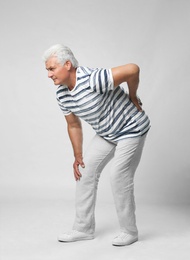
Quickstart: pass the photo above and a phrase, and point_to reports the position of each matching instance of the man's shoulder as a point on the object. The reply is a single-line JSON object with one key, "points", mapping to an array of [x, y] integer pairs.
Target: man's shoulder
{"points": [[84, 71]]}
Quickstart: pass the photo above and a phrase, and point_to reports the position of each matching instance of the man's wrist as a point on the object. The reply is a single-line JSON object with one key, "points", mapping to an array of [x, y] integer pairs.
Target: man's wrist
{"points": [[78, 155], [132, 96]]}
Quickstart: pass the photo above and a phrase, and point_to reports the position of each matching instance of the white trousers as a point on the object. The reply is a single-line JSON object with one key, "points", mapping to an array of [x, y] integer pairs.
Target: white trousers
{"points": [[126, 155]]}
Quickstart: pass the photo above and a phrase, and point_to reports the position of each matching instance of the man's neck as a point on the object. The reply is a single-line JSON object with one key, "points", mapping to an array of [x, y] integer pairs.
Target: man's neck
{"points": [[72, 79]]}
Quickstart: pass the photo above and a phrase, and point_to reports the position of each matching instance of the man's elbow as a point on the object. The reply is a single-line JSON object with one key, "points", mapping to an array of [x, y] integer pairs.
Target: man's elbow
{"points": [[134, 69], [74, 125]]}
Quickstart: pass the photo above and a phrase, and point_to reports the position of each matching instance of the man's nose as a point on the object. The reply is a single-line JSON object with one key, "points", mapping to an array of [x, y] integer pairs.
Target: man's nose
{"points": [[50, 74]]}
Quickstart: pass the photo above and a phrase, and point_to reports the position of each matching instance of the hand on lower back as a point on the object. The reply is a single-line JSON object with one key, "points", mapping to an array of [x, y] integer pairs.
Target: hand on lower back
{"points": [[137, 102]]}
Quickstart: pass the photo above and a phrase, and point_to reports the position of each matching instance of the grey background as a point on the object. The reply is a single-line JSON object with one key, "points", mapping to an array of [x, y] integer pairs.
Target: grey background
{"points": [[36, 156], [37, 186]]}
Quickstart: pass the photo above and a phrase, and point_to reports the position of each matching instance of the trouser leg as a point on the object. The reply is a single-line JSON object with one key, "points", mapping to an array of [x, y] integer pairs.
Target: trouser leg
{"points": [[126, 159], [98, 154]]}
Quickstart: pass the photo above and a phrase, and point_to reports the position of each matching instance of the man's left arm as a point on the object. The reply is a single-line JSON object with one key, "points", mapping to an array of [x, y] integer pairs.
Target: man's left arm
{"points": [[128, 73]]}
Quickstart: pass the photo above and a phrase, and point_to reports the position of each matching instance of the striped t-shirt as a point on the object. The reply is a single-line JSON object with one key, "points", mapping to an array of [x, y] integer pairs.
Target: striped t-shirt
{"points": [[106, 108]]}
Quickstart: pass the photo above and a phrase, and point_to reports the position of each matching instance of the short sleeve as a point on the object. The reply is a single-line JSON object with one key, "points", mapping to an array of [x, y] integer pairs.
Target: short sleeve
{"points": [[65, 111], [101, 80]]}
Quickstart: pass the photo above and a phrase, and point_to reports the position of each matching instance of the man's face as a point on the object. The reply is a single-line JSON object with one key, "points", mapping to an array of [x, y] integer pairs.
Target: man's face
{"points": [[57, 72]]}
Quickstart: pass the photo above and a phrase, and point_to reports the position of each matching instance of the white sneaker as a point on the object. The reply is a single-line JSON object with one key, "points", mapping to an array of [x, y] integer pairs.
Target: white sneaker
{"points": [[124, 239], [73, 236]]}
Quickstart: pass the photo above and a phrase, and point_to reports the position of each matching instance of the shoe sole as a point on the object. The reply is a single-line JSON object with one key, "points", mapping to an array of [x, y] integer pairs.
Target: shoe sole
{"points": [[124, 244], [75, 240]]}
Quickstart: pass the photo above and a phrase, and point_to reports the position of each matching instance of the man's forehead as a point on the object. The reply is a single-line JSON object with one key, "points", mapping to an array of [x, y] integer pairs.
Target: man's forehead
{"points": [[52, 61]]}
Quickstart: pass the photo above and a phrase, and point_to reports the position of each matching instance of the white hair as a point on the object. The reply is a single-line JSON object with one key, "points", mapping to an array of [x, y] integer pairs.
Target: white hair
{"points": [[62, 53]]}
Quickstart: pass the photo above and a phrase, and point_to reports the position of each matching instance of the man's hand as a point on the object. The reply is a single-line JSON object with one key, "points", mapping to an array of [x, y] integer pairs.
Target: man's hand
{"points": [[137, 102], [78, 162], [128, 73]]}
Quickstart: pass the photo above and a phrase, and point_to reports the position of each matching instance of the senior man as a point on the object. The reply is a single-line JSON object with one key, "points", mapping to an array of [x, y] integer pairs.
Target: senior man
{"points": [[121, 126]]}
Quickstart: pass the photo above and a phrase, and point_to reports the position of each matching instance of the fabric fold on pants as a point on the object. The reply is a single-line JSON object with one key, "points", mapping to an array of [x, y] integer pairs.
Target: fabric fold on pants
{"points": [[126, 155]]}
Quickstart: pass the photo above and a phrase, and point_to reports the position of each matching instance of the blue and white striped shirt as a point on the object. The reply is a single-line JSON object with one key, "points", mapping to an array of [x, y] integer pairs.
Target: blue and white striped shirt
{"points": [[106, 108]]}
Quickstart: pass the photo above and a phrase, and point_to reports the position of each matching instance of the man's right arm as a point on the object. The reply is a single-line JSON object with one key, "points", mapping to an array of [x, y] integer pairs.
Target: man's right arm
{"points": [[75, 134]]}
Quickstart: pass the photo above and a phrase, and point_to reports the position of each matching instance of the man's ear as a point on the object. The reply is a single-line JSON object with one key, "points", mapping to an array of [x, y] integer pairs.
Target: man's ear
{"points": [[68, 65]]}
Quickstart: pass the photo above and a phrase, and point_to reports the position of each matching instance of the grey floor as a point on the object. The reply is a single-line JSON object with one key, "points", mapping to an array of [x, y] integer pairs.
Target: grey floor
{"points": [[29, 229]]}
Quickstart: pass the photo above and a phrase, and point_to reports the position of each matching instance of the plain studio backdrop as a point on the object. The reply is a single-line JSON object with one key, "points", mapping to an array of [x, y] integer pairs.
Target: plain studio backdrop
{"points": [[36, 156]]}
